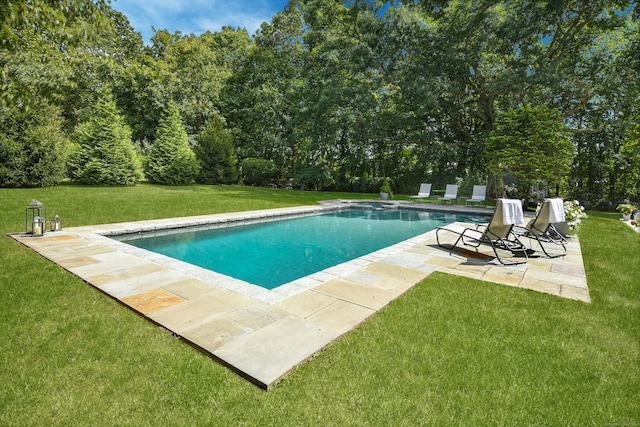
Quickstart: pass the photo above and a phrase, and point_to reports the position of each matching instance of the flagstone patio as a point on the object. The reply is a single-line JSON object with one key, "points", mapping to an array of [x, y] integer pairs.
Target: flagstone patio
{"points": [[261, 334]]}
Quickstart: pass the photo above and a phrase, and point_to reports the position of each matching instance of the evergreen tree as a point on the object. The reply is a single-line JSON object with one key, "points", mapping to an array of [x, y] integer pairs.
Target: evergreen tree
{"points": [[532, 144], [105, 154], [214, 149], [33, 147], [171, 160]]}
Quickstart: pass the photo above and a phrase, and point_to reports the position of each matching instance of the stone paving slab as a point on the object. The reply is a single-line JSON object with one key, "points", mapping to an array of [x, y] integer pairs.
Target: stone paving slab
{"points": [[397, 272], [306, 304], [132, 272], [497, 275], [357, 293], [112, 263], [139, 284], [268, 354], [263, 334], [257, 316], [192, 313], [154, 300], [216, 333], [342, 316], [189, 288]]}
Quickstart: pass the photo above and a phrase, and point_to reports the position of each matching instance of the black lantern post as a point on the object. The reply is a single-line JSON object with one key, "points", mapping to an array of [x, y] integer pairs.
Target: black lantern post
{"points": [[35, 218]]}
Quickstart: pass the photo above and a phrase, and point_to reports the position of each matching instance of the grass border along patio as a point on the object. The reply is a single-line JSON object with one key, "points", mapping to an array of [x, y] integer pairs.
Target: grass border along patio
{"points": [[452, 350]]}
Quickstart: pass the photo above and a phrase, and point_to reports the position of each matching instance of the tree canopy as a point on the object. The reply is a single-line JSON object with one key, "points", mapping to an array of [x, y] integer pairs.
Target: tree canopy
{"points": [[342, 93]]}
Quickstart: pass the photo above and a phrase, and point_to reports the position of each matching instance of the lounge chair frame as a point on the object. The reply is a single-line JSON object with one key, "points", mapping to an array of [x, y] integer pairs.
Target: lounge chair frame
{"points": [[450, 194], [479, 195], [542, 231], [423, 193], [497, 235]]}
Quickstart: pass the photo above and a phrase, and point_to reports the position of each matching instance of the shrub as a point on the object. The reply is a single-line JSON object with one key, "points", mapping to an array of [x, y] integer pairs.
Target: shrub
{"points": [[361, 185], [171, 160], [104, 153], [33, 147], [385, 187], [258, 171], [574, 214], [214, 149], [316, 177], [604, 205]]}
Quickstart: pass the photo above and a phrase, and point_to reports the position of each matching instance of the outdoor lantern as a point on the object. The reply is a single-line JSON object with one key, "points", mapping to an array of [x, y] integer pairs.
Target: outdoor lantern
{"points": [[37, 226], [56, 225], [35, 209]]}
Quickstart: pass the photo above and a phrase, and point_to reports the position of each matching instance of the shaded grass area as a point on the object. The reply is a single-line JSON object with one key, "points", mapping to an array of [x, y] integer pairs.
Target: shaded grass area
{"points": [[450, 351]]}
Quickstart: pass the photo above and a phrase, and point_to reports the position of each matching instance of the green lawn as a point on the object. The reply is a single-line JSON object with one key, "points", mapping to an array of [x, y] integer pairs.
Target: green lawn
{"points": [[451, 351]]}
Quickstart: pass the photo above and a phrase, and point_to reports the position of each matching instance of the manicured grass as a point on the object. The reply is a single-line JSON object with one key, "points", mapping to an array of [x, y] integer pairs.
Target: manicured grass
{"points": [[450, 351]]}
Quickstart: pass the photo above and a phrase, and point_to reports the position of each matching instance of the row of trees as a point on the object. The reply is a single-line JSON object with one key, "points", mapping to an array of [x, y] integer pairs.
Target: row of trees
{"points": [[335, 94]]}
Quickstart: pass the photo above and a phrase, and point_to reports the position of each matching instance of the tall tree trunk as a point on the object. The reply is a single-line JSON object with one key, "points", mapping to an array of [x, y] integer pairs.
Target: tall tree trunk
{"points": [[495, 186]]}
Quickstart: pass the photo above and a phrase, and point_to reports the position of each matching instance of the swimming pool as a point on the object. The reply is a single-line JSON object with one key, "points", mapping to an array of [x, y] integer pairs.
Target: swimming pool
{"points": [[271, 253]]}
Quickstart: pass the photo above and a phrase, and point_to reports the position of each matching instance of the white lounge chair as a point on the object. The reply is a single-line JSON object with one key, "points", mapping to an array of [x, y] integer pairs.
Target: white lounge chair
{"points": [[450, 193], [423, 193], [541, 228], [479, 195], [498, 234]]}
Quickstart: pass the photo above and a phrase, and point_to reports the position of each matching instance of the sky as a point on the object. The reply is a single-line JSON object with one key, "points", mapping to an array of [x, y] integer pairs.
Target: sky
{"points": [[196, 16]]}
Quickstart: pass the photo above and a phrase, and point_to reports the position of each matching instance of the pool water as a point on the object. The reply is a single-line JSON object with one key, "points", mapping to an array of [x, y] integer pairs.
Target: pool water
{"points": [[270, 254]]}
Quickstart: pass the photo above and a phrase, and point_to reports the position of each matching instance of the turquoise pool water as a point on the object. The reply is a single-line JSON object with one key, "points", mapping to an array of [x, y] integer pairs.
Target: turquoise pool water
{"points": [[270, 254]]}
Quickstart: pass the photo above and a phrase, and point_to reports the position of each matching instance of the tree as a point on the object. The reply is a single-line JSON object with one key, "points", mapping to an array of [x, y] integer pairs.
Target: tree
{"points": [[196, 69], [101, 65], [459, 63], [258, 171], [36, 37], [214, 150], [104, 154], [33, 148], [344, 123], [316, 177], [49, 49], [532, 144], [630, 154], [171, 160], [259, 98], [347, 91], [605, 169]]}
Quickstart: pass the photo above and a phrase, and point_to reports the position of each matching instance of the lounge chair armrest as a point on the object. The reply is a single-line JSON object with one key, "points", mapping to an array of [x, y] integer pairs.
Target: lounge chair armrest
{"points": [[481, 225], [473, 237], [519, 230]]}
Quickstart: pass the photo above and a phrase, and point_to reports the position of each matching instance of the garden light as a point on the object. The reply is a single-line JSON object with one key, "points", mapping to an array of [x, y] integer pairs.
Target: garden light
{"points": [[37, 227], [35, 210], [56, 224]]}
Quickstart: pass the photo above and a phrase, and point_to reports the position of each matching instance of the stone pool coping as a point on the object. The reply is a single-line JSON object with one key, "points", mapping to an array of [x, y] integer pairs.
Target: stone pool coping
{"points": [[260, 334]]}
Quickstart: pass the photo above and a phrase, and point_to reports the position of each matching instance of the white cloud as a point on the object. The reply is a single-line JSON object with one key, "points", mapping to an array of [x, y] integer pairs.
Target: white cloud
{"points": [[196, 16]]}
